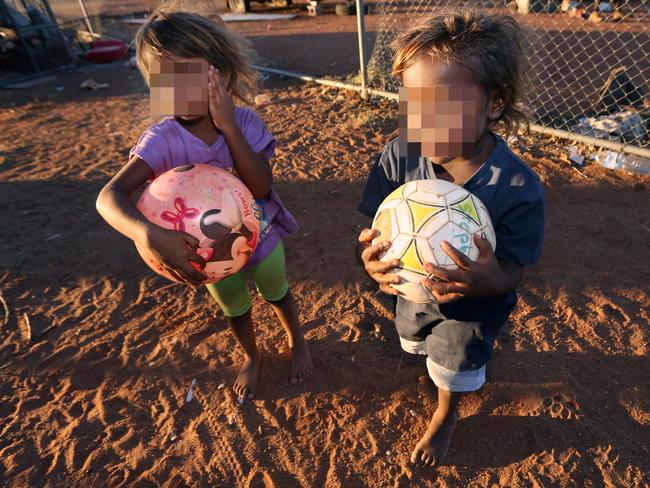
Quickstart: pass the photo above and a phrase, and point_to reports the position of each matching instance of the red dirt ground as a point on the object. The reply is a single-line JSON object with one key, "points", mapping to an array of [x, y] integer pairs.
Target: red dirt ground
{"points": [[95, 396]]}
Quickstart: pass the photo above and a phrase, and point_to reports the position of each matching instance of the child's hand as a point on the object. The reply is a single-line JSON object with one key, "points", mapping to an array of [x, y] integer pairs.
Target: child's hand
{"points": [[221, 106], [376, 269], [483, 277], [173, 250]]}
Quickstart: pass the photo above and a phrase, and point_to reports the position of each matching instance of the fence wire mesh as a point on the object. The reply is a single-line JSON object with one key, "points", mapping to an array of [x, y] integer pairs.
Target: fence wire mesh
{"points": [[589, 61]]}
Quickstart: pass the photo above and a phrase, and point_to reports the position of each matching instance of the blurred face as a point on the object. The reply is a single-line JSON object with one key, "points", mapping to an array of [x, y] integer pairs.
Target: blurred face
{"points": [[443, 112], [179, 87]]}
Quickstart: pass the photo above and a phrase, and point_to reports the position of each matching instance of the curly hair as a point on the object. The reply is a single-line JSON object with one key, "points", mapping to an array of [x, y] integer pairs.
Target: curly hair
{"points": [[488, 46]]}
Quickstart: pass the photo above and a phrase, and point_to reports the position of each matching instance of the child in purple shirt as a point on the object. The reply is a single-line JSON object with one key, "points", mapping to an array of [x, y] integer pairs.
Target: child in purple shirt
{"points": [[194, 67]]}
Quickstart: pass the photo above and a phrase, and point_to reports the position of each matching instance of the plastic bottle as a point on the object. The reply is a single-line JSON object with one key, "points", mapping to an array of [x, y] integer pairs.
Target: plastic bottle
{"points": [[635, 164], [626, 162]]}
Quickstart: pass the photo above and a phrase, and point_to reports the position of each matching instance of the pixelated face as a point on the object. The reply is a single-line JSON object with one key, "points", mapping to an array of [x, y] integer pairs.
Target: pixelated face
{"points": [[442, 111], [179, 87]]}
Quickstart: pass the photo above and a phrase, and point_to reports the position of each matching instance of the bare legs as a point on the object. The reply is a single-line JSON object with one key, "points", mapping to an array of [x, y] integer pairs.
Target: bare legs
{"points": [[286, 310], [246, 383], [434, 444]]}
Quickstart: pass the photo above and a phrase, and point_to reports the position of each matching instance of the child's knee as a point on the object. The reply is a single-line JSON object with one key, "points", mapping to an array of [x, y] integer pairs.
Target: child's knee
{"points": [[456, 381], [233, 298], [276, 296], [236, 308]]}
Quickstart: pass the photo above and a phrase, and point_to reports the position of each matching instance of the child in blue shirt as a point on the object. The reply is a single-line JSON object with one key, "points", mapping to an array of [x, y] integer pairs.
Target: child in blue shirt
{"points": [[462, 79]]}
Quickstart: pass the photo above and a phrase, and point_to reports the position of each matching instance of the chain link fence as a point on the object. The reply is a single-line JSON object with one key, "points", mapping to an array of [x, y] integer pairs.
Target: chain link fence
{"points": [[589, 61]]}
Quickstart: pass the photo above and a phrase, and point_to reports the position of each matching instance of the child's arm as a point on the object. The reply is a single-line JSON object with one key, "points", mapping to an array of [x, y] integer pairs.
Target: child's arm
{"points": [[487, 276], [368, 257], [173, 250], [377, 188], [253, 169]]}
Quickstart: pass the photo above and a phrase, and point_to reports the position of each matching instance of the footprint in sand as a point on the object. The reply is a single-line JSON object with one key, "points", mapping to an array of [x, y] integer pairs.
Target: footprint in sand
{"points": [[259, 479], [352, 322], [563, 408]]}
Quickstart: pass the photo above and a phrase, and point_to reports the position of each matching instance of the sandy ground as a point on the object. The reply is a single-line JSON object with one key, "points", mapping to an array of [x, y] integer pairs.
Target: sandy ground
{"points": [[92, 393]]}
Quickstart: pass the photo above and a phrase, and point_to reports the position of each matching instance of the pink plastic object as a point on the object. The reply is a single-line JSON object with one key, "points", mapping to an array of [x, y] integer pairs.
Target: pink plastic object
{"points": [[105, 42], [211, 204], [106, 51]]}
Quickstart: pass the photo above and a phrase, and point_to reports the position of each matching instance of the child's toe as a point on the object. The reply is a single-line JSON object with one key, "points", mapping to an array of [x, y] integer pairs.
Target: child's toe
{"points": [[414, 456]]}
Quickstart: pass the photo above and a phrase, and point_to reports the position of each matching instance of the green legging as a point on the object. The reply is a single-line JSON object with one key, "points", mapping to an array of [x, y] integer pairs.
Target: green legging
{"points": [[270, 277]]}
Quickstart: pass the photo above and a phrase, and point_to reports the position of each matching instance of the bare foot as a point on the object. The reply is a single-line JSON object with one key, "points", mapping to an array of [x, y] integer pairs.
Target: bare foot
{"points": [[301, 364], [245, 385], [433, 447]]}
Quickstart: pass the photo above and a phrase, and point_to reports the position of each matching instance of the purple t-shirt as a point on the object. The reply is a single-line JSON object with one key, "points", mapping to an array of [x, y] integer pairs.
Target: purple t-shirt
{"points": [[168, 144]]}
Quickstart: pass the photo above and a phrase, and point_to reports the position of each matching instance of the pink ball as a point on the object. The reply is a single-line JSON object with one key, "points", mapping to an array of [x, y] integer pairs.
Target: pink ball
{"points": [[211, 204]]}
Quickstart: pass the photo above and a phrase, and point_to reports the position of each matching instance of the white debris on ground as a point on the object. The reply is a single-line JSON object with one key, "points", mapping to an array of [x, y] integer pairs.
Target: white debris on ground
{"points": [[627, 125], [190, 392], [91, 84], [574, 155]]}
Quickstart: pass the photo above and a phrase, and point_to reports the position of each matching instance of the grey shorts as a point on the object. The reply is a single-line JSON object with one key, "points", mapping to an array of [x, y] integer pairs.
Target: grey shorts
{"points": [[457, 338]]}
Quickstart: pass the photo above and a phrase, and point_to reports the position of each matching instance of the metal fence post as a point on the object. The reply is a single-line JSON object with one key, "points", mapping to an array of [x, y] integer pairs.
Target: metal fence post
{"points": [[361, 34], [84, 11], [55, 24]]}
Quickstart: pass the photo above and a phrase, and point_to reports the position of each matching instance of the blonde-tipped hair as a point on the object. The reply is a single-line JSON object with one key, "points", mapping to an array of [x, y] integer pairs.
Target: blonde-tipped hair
{"points": [[489, 46], [189, 35]]}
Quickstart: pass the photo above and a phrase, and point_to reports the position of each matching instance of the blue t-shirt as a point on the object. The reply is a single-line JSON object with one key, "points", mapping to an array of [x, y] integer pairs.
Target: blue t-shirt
{"points": [[512, 194]]}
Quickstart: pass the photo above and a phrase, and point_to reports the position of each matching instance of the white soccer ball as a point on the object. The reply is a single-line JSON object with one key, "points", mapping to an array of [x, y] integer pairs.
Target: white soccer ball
{"points": [[416, 218]]}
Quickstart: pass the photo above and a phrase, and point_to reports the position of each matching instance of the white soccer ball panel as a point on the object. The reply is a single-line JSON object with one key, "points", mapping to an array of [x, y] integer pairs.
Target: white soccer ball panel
{"points": [[424, 250], [444, 234], [411, 287], [404, 217], [409, 188], [434, 224], [455, 194], [464, 222], [472, 251], [461, 237], [428, 198], [398, 247]]}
